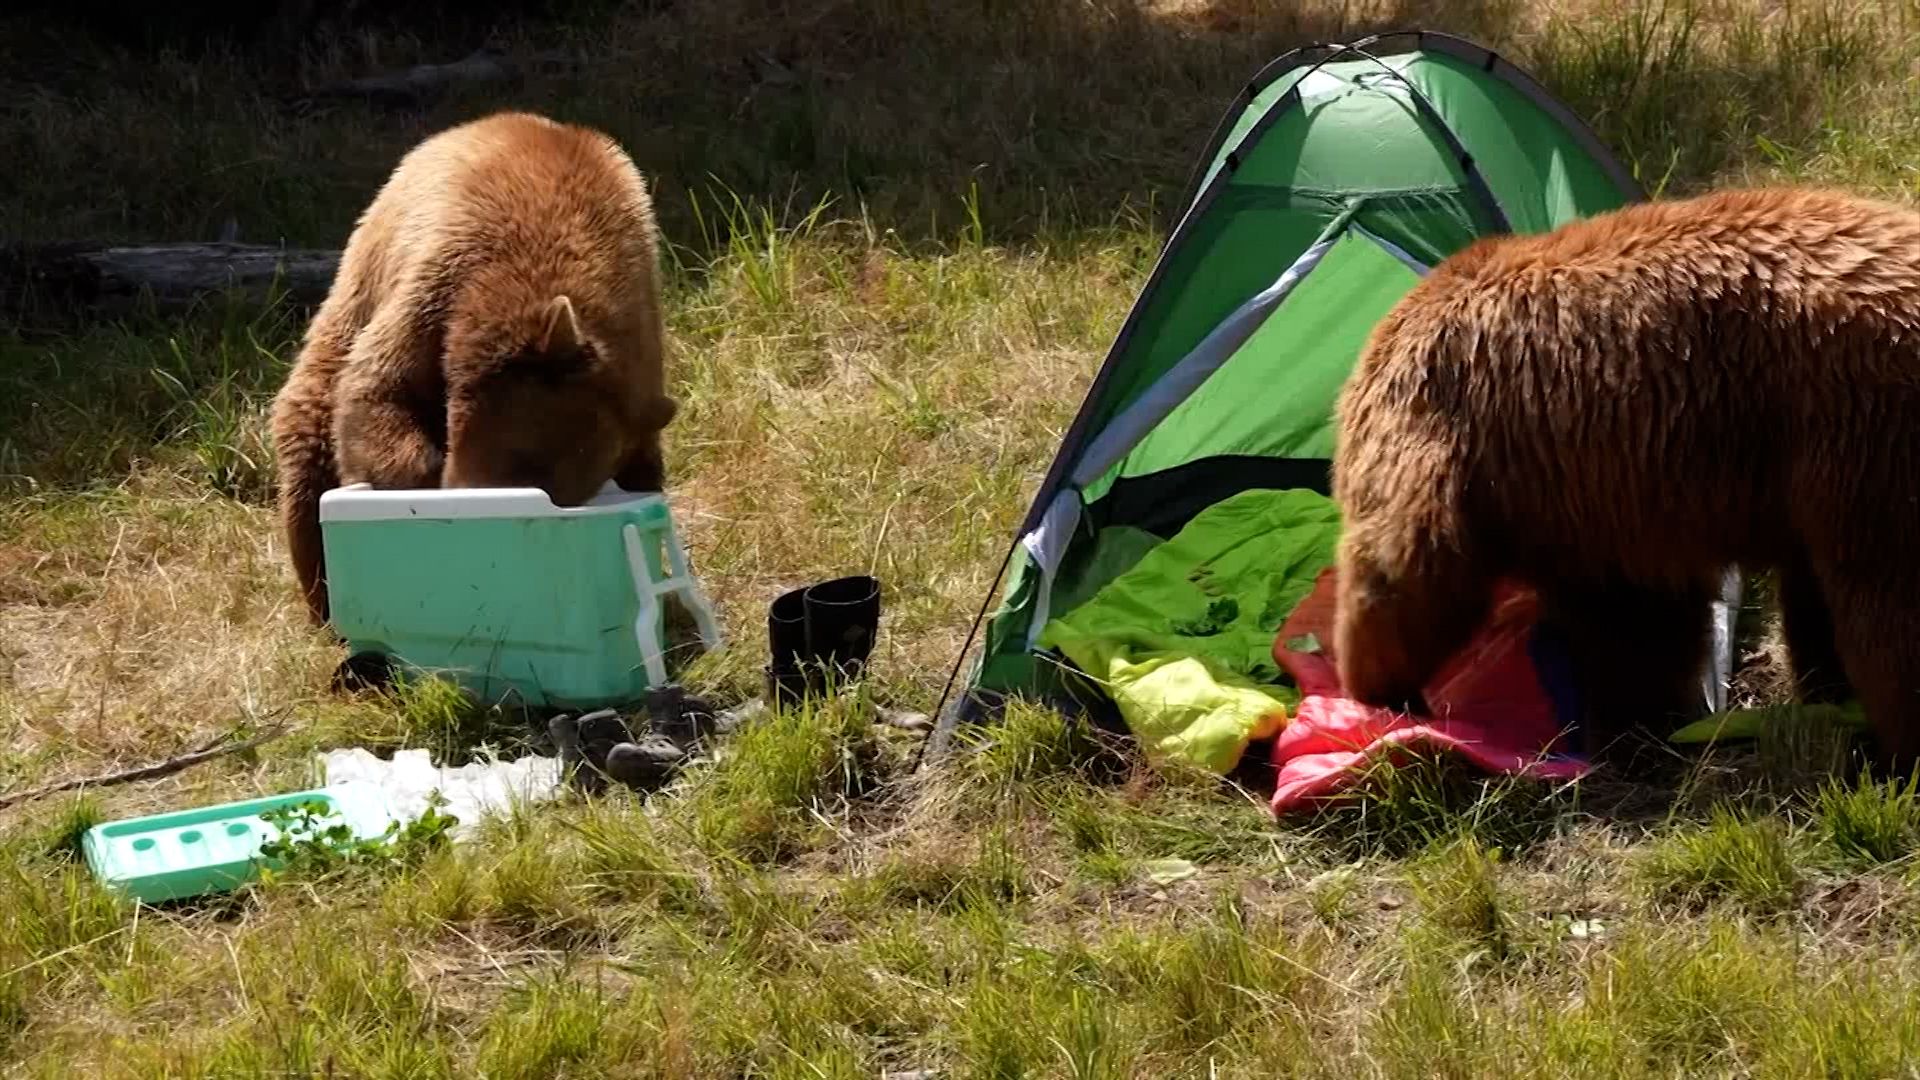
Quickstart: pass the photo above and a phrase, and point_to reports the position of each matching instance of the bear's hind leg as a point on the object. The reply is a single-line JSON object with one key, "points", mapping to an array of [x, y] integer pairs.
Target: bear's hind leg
{"points": [[1876, 621], [1638, 653], [1819, 675], [304, 465]]}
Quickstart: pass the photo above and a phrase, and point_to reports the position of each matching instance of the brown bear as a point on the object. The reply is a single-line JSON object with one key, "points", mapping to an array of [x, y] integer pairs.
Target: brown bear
{"points": [[495, 321], [1615, 412]]}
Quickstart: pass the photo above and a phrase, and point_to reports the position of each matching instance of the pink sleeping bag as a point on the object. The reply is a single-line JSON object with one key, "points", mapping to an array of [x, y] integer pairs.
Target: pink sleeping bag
{"points": [[1492, 706]]}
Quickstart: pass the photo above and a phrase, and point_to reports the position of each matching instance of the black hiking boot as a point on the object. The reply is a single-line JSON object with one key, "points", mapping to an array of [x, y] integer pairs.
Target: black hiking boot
{"points": [[680, 718], [646, 764], [821, 638], [787, 642], [843, 615], [583, 744]]}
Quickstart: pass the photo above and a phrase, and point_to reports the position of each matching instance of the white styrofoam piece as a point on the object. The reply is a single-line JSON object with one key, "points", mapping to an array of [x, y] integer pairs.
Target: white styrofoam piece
{"points": [[474, 791]]}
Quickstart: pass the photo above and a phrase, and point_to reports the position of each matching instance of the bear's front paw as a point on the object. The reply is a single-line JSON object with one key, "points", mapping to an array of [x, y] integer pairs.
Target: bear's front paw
{"points": [[397, 467]]}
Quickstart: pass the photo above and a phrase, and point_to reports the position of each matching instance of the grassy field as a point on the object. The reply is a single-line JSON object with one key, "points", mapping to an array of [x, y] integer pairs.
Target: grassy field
{"points": [[904, 233]]}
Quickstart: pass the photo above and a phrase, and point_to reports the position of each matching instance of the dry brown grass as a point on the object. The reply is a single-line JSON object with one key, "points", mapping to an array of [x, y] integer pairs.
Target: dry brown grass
{"points": [[875, 386]]}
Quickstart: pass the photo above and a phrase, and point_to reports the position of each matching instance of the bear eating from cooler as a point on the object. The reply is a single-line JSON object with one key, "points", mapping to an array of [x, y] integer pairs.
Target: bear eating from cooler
{"points": [[495, 322]]}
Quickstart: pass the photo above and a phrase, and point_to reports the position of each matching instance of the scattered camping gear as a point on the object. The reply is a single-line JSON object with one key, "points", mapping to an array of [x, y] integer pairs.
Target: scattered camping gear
{"points": [[600, 745], [1502, 703], [194, 852], [510, 595], [1183, 641], [820, 637], [1331, 185], [213, 849]]}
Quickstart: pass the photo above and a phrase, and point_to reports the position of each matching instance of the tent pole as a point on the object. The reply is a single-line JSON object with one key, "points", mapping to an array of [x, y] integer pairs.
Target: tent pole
{"points": [[1475, 182], [941, 725]]}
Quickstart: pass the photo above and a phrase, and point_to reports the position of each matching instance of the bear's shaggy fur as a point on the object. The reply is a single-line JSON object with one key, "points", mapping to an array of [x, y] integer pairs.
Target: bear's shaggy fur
{"points": [[495, 321], [1615, 412]]}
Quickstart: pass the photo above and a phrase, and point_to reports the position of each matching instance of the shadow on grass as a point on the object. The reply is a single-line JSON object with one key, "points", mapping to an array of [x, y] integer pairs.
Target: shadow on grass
{"points": [[908, 123], [1055, 112]]}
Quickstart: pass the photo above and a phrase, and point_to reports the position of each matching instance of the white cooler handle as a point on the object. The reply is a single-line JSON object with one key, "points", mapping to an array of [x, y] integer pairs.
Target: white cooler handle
{"points": [[646, 625]]}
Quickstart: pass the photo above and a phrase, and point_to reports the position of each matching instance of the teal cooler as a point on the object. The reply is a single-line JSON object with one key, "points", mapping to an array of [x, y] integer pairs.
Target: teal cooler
{"points": [[514, 598]]}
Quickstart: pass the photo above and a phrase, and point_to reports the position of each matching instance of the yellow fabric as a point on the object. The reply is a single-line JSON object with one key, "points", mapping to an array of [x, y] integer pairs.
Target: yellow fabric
{"points": [[1181, 710]]}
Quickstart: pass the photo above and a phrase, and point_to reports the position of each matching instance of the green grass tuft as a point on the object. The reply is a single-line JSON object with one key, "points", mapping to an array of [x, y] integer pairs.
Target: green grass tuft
{"points": [[1207, 826], [994, 874], [784, 778], [556, 1028], [1751, 862], [1459, 890], [1027, 750], [1406, 807], [1869, 823]]}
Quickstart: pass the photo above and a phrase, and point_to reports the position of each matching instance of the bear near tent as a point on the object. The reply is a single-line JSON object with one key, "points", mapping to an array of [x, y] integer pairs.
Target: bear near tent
{"points": [[1332, 183]]}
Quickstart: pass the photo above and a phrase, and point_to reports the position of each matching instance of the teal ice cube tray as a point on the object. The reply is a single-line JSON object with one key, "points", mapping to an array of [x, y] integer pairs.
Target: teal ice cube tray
{"points": [[213, 848]]}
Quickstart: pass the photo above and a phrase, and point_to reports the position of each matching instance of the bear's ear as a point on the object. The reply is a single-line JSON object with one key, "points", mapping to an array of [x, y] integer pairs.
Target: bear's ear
{"points": [[563, 335]]}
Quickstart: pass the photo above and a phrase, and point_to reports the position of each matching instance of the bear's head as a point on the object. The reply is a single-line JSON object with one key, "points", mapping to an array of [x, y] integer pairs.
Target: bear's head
{"points": [[542, 401]]}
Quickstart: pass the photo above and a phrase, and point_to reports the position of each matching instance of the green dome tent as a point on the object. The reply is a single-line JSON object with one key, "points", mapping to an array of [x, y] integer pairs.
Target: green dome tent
{"points": [[1337, 177]]}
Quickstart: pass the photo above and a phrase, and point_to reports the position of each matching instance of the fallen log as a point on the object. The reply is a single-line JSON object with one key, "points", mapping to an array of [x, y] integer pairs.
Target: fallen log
{"points": [[419, 84], [74, 277]]}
